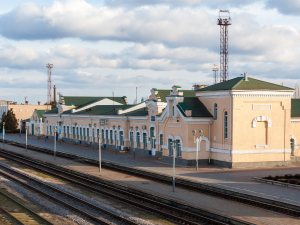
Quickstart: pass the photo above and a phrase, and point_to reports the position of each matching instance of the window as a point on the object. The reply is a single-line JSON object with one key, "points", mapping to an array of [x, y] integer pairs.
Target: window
{"points": [[102, 136], [98, 131], [131, 140], [178, 148], [116, 141], [84, 133], [145, 140], [73, 132], [64, 131], [152, 136], [225, 125], [138, 138], [68, 131], [77, 132], [170, 146], [121, 138], [50, 131], [111, 137], [215, 111], [87, 134], [161, 141]]}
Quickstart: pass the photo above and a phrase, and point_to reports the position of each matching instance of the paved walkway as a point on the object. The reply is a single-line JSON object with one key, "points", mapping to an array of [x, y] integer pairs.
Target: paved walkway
{"points": [[233, 179], [218, 205]]}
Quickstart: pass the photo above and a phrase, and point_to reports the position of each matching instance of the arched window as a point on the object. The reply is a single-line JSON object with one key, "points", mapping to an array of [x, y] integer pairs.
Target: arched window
{"points": [[161, 141], [80, 133], [131, 140], [106, 135], [98, 134], [170, 147], [225, 125], [145, 140], [102, 136], [84, 133], [111, 136], [138, 143], [77, 133], [178, 148], [215, 111]]}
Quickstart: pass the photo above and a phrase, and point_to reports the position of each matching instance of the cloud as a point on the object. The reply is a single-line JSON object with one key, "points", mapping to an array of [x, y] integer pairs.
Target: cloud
{"points": [[286, 7], [216, 4]]}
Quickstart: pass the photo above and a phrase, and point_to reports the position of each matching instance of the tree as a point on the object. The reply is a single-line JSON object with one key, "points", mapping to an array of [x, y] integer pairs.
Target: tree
{"points": [[52, 103], [10, 120]]}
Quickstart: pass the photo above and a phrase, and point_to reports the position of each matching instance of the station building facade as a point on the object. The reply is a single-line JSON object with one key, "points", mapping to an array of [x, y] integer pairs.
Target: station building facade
{"points": [[245, 122]]}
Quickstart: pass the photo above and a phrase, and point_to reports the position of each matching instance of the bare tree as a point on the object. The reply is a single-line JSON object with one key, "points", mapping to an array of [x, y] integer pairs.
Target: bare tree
{"points": [[297, 91]]}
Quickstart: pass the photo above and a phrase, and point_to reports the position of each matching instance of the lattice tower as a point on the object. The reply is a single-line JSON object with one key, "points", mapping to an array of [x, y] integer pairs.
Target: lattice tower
{"points": [[224, 21], [49, 66], [215, 70]]}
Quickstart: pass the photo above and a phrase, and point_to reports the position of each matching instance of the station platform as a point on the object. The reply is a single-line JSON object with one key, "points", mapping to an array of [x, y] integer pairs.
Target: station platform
{"points": [[233, 179]]}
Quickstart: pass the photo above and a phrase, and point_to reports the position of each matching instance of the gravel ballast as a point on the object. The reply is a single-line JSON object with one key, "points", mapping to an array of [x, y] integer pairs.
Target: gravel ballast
{"points": [[62, 210]]}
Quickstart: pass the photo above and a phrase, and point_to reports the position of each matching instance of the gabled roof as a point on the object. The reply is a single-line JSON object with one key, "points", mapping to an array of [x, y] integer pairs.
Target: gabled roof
{"points": [[52, 111], [164, 93], [194, 104], [79, 100], [295, 107], [40, 113], [110, 110], [239, 83]]}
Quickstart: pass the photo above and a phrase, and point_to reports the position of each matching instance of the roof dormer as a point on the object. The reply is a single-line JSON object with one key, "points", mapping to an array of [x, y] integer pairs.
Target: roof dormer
{"points": [[176, 90], [154, 95]]}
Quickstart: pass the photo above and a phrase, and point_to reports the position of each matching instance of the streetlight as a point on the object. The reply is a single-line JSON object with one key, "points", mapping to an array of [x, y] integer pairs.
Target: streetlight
{"points": [[94, 136], [55, 143], [3, 131], [99, 136], [174, 150], [198, 141], [26, 134]]}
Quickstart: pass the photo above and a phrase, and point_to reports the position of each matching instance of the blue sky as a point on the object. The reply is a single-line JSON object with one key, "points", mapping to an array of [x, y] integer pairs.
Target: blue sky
{"points": [[100, 47]]}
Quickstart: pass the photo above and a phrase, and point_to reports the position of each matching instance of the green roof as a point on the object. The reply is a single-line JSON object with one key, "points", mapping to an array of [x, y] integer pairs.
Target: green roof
{"points": [[164, 93], [52, 111], [239, 83], [40, 113], [27, 120], [194, 104], [110, 110], [78, 101], [295, 107]]}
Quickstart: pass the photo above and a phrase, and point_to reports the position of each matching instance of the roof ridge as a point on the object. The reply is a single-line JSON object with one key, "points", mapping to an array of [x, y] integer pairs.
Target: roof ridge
{"points": [[237, 83]]}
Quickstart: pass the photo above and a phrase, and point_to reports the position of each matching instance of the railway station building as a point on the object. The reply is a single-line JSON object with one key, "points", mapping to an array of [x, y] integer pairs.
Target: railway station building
{"points": [[245, 122]]}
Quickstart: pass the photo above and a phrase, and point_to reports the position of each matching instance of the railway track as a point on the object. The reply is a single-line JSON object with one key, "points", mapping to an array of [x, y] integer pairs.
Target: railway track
{"points": [[165, 208], [265, 203], [16, 213], [67, 198]]}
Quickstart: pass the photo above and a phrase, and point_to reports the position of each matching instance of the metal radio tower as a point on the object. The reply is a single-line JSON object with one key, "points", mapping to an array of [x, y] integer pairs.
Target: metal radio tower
{"points": [[49, 66], [224, 21], [215, 69]]}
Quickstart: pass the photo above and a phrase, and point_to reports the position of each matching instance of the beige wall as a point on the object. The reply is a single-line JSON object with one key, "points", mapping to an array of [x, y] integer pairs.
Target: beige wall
{"points": [[24, 112]]}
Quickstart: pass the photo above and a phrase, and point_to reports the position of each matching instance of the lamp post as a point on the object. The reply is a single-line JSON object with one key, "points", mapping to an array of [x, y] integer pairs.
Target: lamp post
{"points": [[26, 135], [20, 127], [174, 142], [3, 131], [198, 141], [99, 136], [55, 144]]}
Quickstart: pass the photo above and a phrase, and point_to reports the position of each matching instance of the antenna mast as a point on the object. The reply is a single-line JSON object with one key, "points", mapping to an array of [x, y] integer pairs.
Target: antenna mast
{"points": [[49, 66], [224, 21], [215, 70]]}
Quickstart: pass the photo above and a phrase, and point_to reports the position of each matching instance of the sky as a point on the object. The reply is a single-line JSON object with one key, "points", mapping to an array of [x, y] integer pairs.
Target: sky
{"points": [[102, 47]]}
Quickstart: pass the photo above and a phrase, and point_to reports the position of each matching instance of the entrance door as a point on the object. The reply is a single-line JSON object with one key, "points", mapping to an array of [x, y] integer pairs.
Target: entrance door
{"points": [[32, 129], [152, 136], [292, 141]]}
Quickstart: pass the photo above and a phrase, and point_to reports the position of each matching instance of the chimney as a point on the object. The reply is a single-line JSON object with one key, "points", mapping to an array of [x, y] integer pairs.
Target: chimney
{"points": [[54, 93], [198, 86], [246, 76], [26, 103], [39, 102]]}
